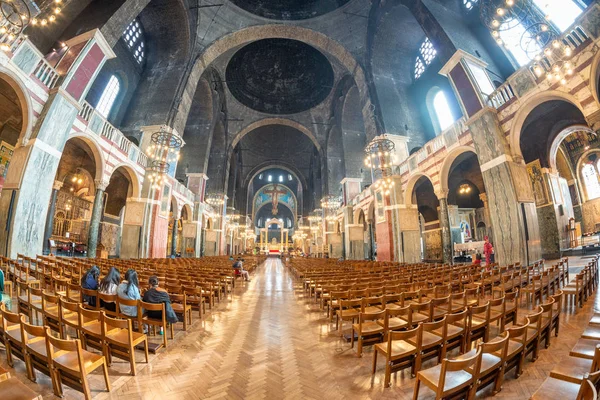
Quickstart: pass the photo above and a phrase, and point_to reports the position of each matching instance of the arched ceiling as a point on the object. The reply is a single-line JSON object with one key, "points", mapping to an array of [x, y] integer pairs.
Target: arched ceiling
{"points": [[290, 10], [279, 76]]}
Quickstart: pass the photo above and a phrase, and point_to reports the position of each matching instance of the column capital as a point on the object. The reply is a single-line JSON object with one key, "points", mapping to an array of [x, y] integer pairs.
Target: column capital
{"points": [[442, 194], [101, 184], [483, 197], [57, 185]]}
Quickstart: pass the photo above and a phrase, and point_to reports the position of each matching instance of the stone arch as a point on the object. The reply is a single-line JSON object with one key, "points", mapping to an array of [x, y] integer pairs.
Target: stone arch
{"points": [[174, 204], [25, 102], [316, 39], [527, 107], [562, 136], [96, 150], [284, 166], [594, 77], [273, 121], [410, 186], [578, 174], [188, 212], [448, 161], [133, 179]]}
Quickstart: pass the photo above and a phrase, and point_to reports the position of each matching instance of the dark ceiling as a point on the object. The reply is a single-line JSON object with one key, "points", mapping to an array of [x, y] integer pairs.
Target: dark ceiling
{"points": [[289, 10], [279, 76]]}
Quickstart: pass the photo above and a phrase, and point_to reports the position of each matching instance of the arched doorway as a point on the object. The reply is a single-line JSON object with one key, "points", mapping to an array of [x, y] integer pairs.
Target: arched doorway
{"points": [[121, 187], [423, 196], [72, 200]]}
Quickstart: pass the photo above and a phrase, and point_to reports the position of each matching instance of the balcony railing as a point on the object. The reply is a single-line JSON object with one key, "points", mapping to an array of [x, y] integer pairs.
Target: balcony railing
{"points": [[100, 126], [46, 73]]}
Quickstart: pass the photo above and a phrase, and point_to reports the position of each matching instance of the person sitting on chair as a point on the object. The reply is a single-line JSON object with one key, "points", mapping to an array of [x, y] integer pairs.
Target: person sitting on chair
{"points": [[238, 266], [158, 295], [108, 285], [89, 280], [129, 290]]}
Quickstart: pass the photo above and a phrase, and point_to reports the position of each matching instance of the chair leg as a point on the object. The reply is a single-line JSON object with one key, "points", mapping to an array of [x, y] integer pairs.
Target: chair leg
{"points": [[106, 380], [416, 390], [374, 361], [86, 386], [132, 359], [9, 359], [146, 349], [388, 374]]}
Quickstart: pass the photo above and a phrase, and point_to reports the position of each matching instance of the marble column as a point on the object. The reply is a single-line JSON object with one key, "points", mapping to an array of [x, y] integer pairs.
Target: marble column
{"points": [[92, 243], [50, 217], [447, 250], [371, 239], [174, 238]]}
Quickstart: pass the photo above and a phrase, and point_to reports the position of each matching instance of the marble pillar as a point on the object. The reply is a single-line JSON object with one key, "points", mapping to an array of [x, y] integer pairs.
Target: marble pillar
{"points": [[371, 239], [174, 238], [50, 217], [95, 219], [447, 250], [410, 234]]}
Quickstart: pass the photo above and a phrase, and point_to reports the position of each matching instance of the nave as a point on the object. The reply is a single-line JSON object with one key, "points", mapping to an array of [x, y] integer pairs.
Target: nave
{"points": [[269, 341]]}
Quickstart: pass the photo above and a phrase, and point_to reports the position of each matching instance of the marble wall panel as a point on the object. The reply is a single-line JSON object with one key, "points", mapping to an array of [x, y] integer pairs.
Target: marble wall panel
{"points": [[522, 183], [534, 247], [408, 219], [134, 213], [433, 245], [488, 139], [590, 215], [550, 238], [56, 121], [412, 246], [109, 237], [130, 238], [26, 58]]}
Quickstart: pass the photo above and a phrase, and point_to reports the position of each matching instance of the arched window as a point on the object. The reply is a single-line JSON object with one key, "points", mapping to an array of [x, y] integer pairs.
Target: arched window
{"points": [[108, 96], [511, 38], [561, 13], [134, 37], [590, 179], [442, 110], [424, 58]]}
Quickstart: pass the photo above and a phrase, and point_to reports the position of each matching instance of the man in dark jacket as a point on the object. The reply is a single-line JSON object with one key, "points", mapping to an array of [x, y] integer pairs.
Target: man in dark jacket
{"points": [[157, 295]]}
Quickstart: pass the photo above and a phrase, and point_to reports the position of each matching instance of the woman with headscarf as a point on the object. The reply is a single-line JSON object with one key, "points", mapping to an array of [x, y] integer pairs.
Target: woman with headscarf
{"points": [[89, 281]]}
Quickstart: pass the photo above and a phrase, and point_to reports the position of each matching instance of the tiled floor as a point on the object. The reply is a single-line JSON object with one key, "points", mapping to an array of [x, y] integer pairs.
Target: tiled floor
{"points": [[269, 342]]}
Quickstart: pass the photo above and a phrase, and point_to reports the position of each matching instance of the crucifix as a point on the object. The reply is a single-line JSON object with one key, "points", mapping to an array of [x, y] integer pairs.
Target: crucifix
{"points": [[275, 201]]}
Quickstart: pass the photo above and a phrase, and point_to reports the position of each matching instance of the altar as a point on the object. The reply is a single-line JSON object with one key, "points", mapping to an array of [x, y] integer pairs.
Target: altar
{"points": [[274, 247]]}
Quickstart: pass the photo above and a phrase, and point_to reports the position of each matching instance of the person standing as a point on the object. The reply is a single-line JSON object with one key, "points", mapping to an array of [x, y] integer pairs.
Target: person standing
{"points": [[488, 250]]}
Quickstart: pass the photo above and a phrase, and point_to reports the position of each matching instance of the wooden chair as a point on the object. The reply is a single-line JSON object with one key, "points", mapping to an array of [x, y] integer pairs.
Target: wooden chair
{"points": [[432, 342], [493, 362], [73, 364], [478, 324], [11, 328], [553, 388], [180, 306], [195, 299], [68, 316], [546, 323], [515, 356], [556, 310], [107, 301], [574, 369], [458, 301], [533, 291], [456, 332], [13, 389], [421, 312], [36, 352], [532, 342], [451, 378], [144, 319], [575, 291], [120, 340], [439, 307], [348, 311], [88, 297], [399, 353], [511, 308], [90, 328], [368, 330]]}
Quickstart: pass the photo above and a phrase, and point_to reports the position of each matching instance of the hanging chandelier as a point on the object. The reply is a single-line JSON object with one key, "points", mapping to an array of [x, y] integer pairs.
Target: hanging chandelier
{"points": [[164, 149], [464, 189], [539, 39], [380, 158], [315, 217], [330, 205], [215, 199]]}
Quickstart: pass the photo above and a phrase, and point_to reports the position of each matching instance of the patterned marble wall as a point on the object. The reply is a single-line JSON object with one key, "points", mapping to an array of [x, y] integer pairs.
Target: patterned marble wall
{"points": [[433, 244]]}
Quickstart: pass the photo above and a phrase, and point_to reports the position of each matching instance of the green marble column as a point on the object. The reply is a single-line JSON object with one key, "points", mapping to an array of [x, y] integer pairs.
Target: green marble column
{"points": [[446, 235], [95, 221], [174, 238]]}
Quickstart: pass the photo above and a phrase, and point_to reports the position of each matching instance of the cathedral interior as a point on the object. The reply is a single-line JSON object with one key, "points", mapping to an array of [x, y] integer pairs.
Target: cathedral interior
{"points": [[425, 145]]}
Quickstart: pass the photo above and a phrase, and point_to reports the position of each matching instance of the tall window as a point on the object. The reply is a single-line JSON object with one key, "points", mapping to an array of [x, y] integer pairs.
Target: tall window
{"points": [[469, 4], [424, 58], [442, 110], [561, 13], [590, 179], [134, 37], [512, 39], [108, 96]]}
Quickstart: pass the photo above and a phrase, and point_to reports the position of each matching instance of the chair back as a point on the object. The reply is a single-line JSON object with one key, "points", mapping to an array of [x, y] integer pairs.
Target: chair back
{"points": [[498, 345], [405, 312], [518, 333], [416, 333], [472, 363], [458, 319], [370, 316]]}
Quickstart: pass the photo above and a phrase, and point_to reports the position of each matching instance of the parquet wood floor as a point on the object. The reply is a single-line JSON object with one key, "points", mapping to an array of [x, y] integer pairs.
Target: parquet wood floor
{"points": [[269, 342]]}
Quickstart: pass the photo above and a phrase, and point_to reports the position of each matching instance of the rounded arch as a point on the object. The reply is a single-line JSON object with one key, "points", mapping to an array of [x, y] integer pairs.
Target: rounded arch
{"points": [[449, 160], [316, 39], [410, 186], [527, 107], [594, 78], [25, 102], [284, 166], [188, 212], [273, 121], [562, 136], [174, 205], [133, 179], [96, 150], [578, 171], [357, 216]]}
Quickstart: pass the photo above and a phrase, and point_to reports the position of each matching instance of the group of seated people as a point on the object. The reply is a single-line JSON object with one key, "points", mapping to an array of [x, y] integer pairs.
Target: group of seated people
{"points": [[128, 289]]}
